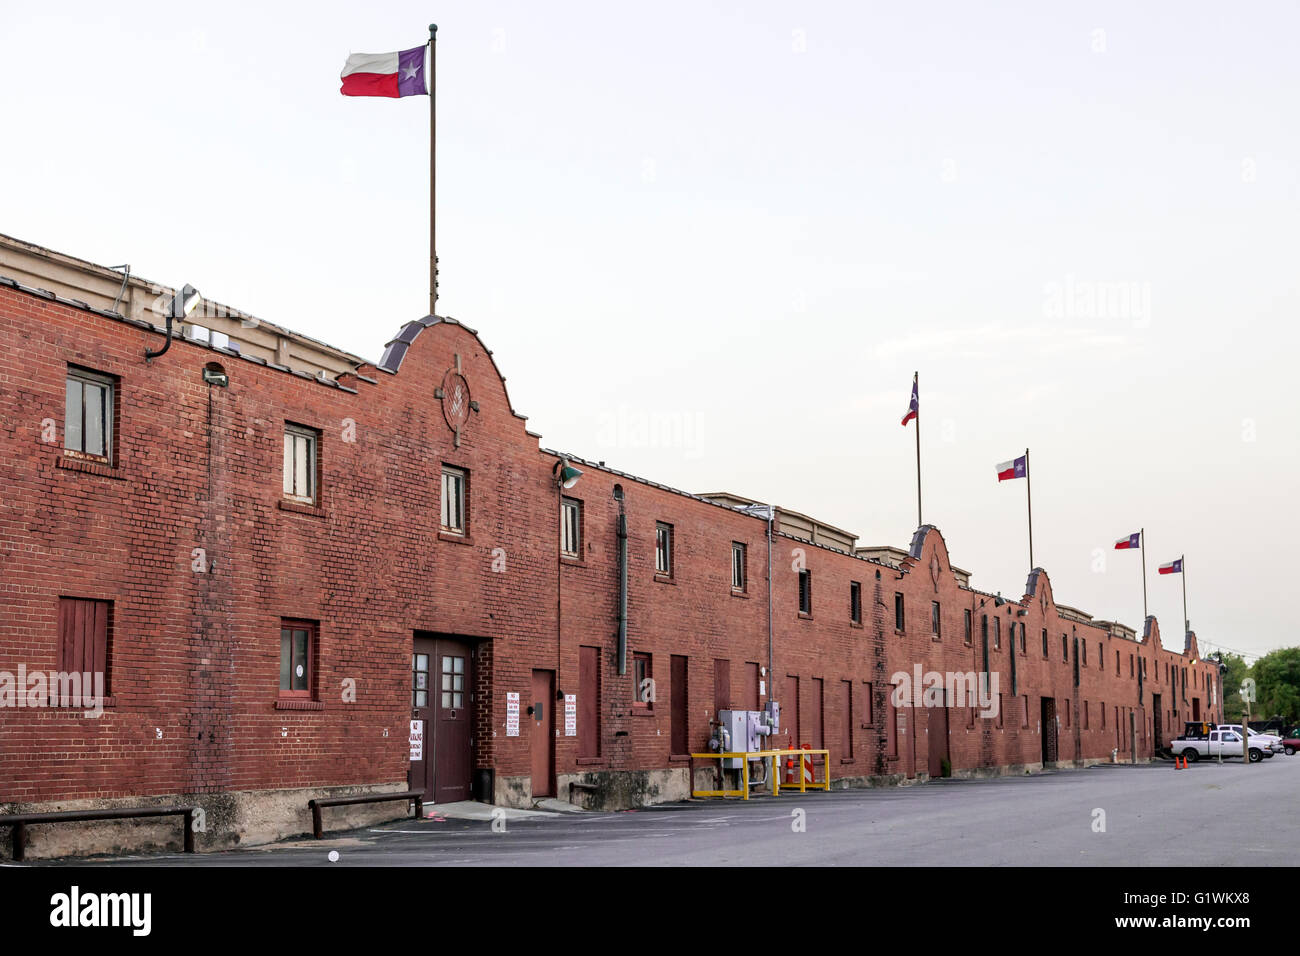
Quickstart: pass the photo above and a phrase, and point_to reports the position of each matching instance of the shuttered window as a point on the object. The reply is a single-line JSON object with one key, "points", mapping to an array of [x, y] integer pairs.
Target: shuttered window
{"points": [[84, 629]]}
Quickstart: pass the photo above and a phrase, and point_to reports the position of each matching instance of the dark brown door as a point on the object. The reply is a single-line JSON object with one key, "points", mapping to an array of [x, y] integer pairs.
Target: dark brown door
{"points": [[1048, 718], [441, 682], [451, 735], [679, 734], [937, 739], [1157, 715], [542, 711], [422, 708], [721, 687]]}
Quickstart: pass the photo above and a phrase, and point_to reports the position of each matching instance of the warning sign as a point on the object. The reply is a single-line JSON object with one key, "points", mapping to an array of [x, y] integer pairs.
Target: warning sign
{"points": [[417, 740], [512, 715]]}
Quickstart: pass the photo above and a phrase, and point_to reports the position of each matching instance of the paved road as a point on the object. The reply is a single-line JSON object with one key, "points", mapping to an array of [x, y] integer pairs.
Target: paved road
{"points": [[1209, 815]]}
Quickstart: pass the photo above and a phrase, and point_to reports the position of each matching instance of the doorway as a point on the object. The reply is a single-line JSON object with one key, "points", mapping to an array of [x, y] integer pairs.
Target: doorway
{"points": [[1049, 730], [937, 718], [542, 710], [441, 738], [1158, 716]]}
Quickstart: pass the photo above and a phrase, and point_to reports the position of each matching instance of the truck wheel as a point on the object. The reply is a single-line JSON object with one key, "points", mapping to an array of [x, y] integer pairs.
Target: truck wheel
{"points": [[1191, 755], [1255, 755]]}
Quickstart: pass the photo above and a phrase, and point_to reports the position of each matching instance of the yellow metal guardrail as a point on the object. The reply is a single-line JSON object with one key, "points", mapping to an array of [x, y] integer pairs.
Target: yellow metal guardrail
{"points": [[744, 758]]}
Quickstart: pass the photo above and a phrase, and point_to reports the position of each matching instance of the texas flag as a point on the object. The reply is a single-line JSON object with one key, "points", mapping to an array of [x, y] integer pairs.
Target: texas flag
{"points": [[1132, 541], [1173, 567], [385, 74], [913, 408], [1012, 469]]}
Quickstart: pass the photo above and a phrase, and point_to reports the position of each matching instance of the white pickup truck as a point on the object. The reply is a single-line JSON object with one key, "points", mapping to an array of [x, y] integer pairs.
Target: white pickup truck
{"points": [[1269, 743], [1212, 746]]}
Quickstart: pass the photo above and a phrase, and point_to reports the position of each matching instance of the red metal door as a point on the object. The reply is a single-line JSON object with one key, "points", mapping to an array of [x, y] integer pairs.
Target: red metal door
{"points": [[750, 701], [420, 776], [589, 702], [846, 719], [790, 709], [816, 732], [542, 710], [721, 686]]}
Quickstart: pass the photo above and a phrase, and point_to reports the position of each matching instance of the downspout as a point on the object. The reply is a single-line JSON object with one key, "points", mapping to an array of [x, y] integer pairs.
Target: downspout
{"points": [[771, 673], [622, 585]]}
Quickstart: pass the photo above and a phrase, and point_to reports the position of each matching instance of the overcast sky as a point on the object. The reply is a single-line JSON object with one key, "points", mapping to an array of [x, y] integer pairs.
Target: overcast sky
{"points": [[710, 244]]}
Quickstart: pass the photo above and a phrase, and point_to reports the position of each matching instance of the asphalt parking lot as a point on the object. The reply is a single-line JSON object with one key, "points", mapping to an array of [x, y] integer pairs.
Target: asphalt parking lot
{"points": [[1150, 815]]}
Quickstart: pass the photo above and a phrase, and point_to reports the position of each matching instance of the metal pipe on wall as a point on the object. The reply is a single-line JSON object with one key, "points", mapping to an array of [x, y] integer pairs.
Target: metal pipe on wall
{"points": [[622, 584]]}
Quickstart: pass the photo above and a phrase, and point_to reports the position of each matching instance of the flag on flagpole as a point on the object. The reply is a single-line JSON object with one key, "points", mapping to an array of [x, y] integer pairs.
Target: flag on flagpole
{"points": [[1015, 468], [1173, 567], [1132, 541], [385, 74], [913, 407]]}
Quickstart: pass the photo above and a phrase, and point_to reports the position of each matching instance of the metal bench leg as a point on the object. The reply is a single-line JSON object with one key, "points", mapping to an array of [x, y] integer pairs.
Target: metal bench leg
{"points": [[315, 822], [20, 842], [189, 831], [419, 808]]}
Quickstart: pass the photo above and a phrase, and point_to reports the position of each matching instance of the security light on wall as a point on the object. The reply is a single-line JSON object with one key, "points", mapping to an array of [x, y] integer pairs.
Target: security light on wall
{"points": [[565, 474], [183, 303], [216, 375]]}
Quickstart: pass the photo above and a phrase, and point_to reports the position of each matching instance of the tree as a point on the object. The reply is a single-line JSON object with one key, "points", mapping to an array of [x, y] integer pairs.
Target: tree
{"points": [[1277, 683], [1236, 672]]}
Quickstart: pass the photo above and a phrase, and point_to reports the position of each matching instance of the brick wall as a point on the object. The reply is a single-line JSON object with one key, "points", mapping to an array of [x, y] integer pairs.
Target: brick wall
{"points": [[195, 654]]}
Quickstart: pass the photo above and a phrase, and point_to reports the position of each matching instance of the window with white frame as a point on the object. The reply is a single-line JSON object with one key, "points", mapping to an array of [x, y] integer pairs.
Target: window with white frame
{"points": [[300, 453], [737, 566], [571, 527], [663, 549], [453, 499], [88, 414]]}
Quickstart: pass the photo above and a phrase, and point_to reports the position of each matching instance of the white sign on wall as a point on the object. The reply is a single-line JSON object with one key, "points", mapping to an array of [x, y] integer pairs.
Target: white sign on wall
{"points": [[512, 715], [570, 715], [417, 740]]}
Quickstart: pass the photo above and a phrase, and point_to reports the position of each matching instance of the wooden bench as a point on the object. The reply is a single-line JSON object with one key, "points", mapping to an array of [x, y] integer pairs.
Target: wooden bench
{"points": [[20, 821], [316, 805]]}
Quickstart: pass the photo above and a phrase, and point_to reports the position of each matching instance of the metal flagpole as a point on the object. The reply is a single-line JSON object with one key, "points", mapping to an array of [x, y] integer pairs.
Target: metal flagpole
{"points": [[1029, 499], [916, 384], [1182, 571], [433, 139], [1143, 541]]}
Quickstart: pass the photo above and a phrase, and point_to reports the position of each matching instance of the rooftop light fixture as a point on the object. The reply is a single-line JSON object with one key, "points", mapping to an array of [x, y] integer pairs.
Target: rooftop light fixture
{"points": [[566, 476], [182, 304]]}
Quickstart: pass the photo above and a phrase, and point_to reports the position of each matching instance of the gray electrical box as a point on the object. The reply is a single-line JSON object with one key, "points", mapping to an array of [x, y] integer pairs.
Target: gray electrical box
{"points": [[736, 724], [748, 730], [773, 712]]}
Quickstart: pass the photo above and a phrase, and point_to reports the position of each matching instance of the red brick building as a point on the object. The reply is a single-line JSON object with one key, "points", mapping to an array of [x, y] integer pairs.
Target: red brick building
{"points": [[277, 571]]}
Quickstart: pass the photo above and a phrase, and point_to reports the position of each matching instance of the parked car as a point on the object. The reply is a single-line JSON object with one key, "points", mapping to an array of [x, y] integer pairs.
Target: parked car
{"points": [[1214, 745], [1290, 745]]}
